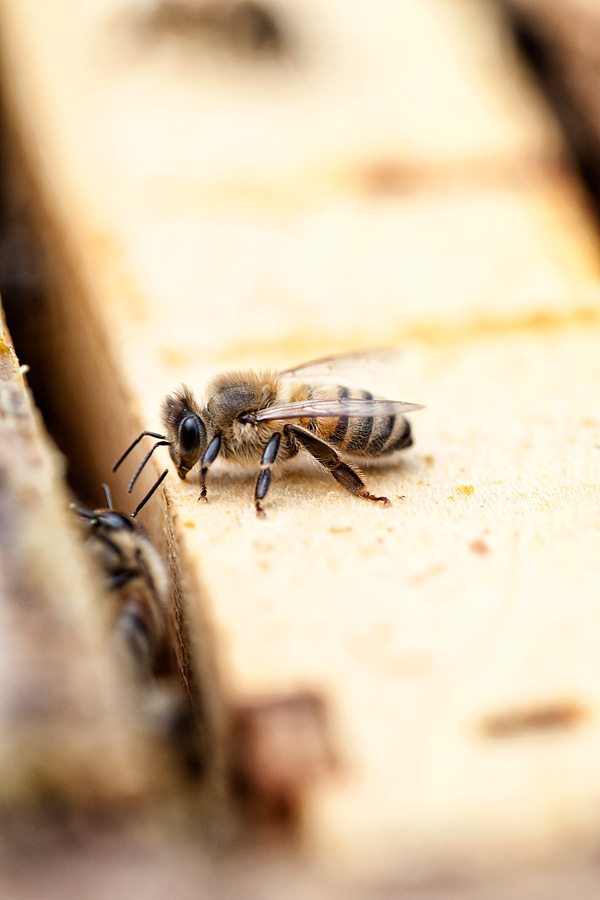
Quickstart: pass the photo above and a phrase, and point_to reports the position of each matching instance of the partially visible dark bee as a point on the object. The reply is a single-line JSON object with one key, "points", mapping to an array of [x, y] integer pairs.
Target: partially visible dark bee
{"points": [[138, 589], [248, 419], [135, 577]]}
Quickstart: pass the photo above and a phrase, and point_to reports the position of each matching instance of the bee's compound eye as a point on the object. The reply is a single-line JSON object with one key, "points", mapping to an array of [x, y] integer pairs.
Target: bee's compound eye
{"points": [[189, 435]]}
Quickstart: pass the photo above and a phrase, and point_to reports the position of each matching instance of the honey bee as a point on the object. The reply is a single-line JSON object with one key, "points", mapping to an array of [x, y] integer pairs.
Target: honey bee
{"points": [[135, 577], [267, 418], [138, 587]]}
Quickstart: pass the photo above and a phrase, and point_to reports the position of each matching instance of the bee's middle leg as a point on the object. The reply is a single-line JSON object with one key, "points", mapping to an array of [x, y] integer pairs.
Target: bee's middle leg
{"points": [[264, 479], [332, 462]]}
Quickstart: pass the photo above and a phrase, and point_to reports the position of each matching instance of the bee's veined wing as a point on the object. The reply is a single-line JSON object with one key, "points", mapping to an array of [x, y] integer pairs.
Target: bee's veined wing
{"points": [[346, 366], [349, 408]]}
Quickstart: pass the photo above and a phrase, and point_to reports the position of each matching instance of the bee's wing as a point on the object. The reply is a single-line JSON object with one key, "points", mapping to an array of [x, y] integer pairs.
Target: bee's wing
{"points": [[335, 409], [346, 366]]}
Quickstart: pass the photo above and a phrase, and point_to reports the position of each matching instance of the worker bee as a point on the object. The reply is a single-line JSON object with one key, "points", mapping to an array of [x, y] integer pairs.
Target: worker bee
{"points": [[267, 418], [135, 577]]}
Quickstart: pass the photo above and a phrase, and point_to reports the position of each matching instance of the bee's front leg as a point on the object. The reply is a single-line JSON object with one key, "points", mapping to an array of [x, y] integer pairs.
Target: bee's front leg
{"points": [[210, 454], [264, 479]]}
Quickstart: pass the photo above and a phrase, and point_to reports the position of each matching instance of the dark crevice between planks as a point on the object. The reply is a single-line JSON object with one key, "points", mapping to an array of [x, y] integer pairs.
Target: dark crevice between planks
{"points": [[560, 47]]}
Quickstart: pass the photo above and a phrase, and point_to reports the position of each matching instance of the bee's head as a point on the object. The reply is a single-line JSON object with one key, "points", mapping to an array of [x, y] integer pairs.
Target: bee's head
{"points": [[110, 521], [185, 430], [107, 531], [104, 521]]}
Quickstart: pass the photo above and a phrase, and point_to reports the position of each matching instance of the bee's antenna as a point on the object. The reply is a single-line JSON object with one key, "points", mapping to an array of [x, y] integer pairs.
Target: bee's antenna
{"points": [[107, 497], [149, 494], [138, 471], [137, 440]]}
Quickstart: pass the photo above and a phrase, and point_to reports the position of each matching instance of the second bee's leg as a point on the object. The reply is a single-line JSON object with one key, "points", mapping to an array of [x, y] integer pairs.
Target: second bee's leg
{"points": [[211, 453], [332, 461], [264, 479]]}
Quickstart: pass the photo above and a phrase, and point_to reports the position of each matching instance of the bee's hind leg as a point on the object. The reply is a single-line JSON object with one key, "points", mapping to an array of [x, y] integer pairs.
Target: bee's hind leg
{"points": [[332, 462], [264, 479]]}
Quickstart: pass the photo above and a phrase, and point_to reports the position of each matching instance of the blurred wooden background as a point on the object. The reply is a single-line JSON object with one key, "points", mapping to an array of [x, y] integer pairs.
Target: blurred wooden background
{"points": [[397, 699]]}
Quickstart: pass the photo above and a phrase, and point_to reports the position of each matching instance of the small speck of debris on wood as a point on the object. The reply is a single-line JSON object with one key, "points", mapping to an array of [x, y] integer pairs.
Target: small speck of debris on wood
{"points": [[479, 546]]}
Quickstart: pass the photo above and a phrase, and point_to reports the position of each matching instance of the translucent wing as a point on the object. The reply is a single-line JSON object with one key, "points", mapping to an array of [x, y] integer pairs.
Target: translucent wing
{"points": [[349, 408], [346, 366]]}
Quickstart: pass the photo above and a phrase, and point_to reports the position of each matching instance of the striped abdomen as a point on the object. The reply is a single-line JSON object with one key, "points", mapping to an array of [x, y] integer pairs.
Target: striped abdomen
{"points": [[371, 436]]}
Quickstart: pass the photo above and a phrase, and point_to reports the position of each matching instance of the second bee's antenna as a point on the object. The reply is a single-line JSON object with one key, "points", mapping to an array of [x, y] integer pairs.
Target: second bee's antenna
{"points": [[156, 484], [107, 497]]}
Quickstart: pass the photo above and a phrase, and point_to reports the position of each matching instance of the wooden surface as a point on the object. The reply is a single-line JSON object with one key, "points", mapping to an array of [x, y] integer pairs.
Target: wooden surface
{"points": [[393, 178]]}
